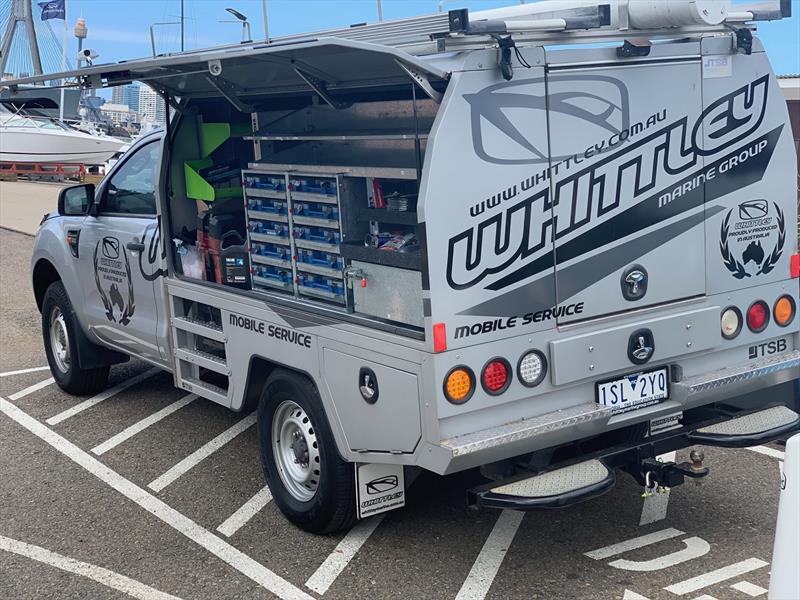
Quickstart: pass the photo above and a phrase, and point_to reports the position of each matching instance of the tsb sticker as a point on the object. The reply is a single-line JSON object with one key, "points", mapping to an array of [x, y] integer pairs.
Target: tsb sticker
{"points": [[752, 237], [380, 488], [767, 348]]}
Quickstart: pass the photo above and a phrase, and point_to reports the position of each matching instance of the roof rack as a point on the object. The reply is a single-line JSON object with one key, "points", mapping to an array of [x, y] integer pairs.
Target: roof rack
{"points": [[556, 22]]}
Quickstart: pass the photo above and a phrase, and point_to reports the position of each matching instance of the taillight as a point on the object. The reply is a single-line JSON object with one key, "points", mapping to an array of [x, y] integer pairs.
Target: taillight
{"points": [[758, 316], [784, 310], [459, 385], [496, 376], [730, 322], [532, 368]]}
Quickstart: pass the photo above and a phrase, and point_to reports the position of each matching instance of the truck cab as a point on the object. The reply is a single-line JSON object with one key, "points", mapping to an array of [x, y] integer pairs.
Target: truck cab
{"points": [[463, 248]]}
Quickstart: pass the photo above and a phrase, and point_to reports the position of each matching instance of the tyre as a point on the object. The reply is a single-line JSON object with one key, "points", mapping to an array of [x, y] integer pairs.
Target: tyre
{"points": [[311, 484], [60, 332]]}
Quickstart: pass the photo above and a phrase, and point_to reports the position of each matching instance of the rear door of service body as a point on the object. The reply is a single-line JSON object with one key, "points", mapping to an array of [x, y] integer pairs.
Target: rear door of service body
{"points": [[627, 183]]}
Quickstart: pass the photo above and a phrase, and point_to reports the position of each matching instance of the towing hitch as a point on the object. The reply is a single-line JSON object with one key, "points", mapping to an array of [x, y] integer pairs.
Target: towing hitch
{"points": [[671, 474]]}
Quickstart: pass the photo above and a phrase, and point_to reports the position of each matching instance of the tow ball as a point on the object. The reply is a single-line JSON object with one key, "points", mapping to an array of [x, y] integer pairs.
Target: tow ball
{"points": [[671, 474]]}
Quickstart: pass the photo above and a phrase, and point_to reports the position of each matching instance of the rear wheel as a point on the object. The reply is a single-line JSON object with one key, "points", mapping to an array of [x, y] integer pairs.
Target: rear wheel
{"points": [[311, 484], [59, 329]]}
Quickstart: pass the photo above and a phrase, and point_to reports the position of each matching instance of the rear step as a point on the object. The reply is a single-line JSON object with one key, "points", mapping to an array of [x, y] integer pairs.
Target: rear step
{"points": [[748, 430], [553, 489]]}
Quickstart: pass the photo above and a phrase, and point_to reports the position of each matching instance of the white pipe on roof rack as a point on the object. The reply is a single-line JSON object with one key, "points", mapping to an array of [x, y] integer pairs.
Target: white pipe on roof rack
{"points": [[537, 25]]}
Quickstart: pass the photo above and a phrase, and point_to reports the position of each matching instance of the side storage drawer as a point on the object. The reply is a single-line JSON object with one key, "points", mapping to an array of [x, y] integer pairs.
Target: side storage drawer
{"points": [[392, 423], [391, 293]]}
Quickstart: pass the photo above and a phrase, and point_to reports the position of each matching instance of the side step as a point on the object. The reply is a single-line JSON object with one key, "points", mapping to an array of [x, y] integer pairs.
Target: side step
{"points": [[553, 489], [749, 430]]}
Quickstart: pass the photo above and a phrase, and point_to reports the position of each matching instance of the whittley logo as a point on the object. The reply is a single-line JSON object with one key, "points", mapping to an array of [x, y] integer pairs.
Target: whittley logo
{"points": [[112, 276], [753, 243], [528, 226], [506, 131]]}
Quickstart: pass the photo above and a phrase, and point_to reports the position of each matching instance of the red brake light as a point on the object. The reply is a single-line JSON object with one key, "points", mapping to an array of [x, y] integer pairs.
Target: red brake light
{"points": [[794, 266], [758, 316], [496, 376]]}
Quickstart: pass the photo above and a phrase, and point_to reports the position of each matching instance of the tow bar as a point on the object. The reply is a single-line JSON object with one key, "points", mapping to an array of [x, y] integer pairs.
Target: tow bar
{"points": [[671, 474]]}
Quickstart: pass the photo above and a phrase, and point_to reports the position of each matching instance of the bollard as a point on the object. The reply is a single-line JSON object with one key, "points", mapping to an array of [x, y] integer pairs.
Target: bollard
{"points": [[785, 580]]}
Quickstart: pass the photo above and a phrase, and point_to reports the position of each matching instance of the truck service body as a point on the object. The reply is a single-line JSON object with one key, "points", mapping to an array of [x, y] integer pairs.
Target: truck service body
{"points": [[603, 264]]}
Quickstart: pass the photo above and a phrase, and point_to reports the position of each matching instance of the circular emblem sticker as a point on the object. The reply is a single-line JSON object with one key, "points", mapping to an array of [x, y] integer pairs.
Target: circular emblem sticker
{"points": [[752, 237]]}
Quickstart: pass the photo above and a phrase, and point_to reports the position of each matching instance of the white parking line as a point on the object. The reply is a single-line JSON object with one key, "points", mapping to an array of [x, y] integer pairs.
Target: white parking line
{"points": [[247, 511], [159, 509], [108, 578], [201, 453], [751, 589], [767, 451], [23, 371], [30, 389], [131, 431], [706, 579], [633, 544], [71, 412], [491, 556], [341, 556]]}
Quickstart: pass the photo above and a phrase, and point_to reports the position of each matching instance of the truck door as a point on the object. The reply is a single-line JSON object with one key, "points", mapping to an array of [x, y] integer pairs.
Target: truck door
{"points": [[628, 184], [121, 307]]}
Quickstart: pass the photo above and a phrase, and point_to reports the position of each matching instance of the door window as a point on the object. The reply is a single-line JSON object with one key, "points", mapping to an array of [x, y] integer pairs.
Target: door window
{"points": [[132, 188]]}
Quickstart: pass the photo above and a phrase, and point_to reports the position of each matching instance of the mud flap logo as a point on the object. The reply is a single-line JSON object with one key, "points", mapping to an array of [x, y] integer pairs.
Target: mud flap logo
{"points": [[379, 488], [112, 276], [752, 243]]}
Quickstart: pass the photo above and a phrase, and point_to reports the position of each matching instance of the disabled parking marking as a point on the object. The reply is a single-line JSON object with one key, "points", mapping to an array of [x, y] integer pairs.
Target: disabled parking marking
{"points": [[23, 371], [140, 426], [491, 556], [110, 579], [101, 397], [695, 548], [31, 389], [634, 544], [341, 556], [202, 453], [713, 577], [158, 508], [247, 511]]}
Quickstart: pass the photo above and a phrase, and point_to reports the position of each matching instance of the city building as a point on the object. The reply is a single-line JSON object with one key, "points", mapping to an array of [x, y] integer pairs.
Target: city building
{"points": [[127, 95], [120, 115], [151, 106]]}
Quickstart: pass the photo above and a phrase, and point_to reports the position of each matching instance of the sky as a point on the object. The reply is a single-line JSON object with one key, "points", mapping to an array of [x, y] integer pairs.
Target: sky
{"points": [[120, 29]]}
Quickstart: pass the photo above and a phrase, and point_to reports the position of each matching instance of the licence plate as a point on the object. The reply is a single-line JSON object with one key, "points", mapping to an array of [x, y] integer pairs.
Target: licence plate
{"points": [[634, 391]]}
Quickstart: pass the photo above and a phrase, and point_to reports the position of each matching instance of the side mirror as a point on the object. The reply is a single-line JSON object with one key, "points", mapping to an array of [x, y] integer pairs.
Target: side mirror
{"points": [[76, 201]]}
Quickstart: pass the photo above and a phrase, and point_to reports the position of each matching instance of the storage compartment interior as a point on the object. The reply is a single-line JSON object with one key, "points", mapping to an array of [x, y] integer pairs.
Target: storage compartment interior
{"points": [[298, 199]]}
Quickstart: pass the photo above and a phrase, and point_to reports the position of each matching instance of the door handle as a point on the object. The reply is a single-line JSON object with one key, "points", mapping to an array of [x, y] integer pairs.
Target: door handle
{"points": [[135, 246]]}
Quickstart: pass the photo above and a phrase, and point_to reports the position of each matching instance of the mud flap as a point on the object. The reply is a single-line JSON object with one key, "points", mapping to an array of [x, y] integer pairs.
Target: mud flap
{"points": [[379, 488]]}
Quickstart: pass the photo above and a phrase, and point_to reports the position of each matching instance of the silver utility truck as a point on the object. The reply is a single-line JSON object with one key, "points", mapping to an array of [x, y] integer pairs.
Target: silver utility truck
{"points": [[552, 241]]}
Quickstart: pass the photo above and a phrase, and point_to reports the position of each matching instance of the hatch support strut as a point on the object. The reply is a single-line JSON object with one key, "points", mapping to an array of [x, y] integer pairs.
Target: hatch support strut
{"points": [[422, 81], [319, 86], [227, 90]]}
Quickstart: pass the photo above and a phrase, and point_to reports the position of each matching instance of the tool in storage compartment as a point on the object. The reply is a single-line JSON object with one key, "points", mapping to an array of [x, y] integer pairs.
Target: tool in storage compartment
{"points": [[271, 254], [234, 259], [317, 238], [267, 205], [319, 262], [321, 287], [223, 218], [269, 231], [315, 189], [272, 277], [274, 183]]}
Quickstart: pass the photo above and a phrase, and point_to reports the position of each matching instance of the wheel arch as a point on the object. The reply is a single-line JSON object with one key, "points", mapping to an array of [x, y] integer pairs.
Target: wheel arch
{"points": [[44, 275]]}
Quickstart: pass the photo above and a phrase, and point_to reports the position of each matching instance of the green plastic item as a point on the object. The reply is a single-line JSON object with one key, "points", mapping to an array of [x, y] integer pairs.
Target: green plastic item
{"points": [[212, 136]]}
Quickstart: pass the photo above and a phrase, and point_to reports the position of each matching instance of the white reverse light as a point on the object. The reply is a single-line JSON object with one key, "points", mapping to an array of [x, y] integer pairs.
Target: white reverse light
{"points": [[731, 322], [532, 368]]}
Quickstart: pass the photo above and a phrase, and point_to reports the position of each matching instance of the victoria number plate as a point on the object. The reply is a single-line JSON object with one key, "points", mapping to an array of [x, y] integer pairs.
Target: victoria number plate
{"points": [[634, 391]]}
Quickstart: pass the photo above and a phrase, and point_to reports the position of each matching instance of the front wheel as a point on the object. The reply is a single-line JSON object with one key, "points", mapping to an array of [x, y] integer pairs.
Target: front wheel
{"points": [[59, 329], [313, 487]]}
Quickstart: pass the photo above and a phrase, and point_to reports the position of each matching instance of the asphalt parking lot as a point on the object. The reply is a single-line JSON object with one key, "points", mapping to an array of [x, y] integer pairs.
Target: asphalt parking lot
{"points": [[144, 492]]}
